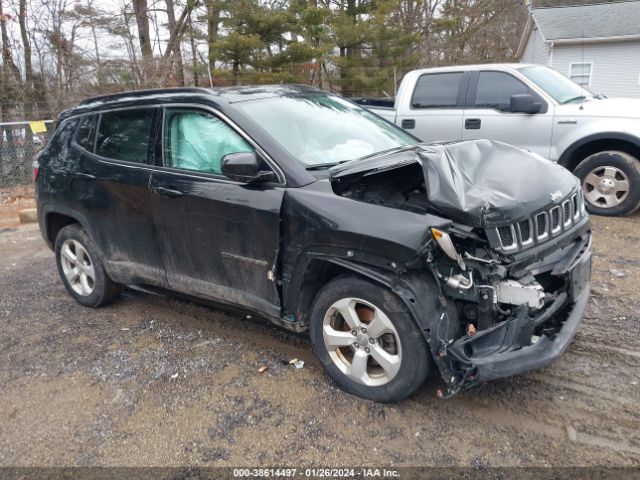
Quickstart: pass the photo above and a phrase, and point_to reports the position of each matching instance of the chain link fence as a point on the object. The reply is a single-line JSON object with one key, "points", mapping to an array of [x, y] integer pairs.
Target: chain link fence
{"points": [[18, 146]]}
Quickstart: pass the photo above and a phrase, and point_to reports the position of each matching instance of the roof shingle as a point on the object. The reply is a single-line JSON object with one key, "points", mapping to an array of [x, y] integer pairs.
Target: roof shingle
{"points": [[612, 19]]}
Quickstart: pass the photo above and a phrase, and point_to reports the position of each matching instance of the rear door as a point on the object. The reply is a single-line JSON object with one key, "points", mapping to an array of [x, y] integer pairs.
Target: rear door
{"points": [[487, 114], [110, 188], [436, 108], [219, 239]]}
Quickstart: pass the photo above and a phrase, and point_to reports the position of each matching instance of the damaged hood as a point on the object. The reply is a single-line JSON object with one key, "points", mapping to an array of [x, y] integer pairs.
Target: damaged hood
{"points": [[480, 183]]}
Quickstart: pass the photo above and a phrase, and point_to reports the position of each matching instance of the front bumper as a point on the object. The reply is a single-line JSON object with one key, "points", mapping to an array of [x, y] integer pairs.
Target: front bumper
{"points": [[523, 342]]}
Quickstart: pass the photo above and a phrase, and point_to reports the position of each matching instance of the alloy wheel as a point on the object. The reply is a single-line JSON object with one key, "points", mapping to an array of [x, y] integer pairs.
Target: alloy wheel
{"points": [[77, 267], [605, 187], [362, 341]]}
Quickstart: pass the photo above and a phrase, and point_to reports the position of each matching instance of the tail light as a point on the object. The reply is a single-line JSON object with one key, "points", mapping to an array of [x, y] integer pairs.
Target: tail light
{"points": [[36, 170]]}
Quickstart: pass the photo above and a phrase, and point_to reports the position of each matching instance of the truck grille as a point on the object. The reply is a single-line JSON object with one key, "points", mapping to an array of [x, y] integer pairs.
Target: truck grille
{"points": [[543, 225]]}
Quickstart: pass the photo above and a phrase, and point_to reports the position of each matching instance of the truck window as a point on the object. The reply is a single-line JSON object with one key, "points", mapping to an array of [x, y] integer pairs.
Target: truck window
{"points": [[495, 90], [437, 90]]}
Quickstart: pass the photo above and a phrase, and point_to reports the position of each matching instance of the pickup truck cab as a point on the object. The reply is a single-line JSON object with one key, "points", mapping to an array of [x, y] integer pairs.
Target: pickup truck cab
{"points": [[533, 107]]}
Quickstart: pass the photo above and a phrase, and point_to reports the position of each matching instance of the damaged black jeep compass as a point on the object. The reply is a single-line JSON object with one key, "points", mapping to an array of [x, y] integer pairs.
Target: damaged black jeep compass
{"points": [[398, 257]]}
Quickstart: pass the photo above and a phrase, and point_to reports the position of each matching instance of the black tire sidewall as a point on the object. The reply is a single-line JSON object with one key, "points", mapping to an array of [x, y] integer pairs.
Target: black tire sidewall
{"points": [[104, 289], [625, 162], [416, 359]]}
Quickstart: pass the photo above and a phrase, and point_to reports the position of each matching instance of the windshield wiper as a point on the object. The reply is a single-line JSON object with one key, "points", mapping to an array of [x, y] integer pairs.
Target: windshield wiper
{"points": [[320, 166]]}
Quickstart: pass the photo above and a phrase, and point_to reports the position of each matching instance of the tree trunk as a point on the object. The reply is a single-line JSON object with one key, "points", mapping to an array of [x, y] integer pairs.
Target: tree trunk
{"points": [[142, 21], [194, 53], [177, 52], [28, 68], [213, 19], [6, 48]]}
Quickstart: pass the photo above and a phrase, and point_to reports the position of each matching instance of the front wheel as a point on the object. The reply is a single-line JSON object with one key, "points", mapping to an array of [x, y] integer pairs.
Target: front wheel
{"points": [[367, 341], [610, 182]]}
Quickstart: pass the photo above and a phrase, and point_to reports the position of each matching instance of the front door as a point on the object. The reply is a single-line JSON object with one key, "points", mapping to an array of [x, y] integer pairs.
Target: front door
{"points": [[487, 114], [219, 239]]}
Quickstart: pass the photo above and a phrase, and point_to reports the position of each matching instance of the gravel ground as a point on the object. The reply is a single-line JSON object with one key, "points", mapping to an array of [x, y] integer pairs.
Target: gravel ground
{"points": [[155, 381]]}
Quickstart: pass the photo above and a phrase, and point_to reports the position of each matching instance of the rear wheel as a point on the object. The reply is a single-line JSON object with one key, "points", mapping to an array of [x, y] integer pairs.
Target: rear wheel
{"points": [[367, 341], [610, 182], [81, 270]]}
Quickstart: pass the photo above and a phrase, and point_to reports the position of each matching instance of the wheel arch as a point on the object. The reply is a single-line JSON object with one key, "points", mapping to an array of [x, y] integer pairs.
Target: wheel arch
{"points": [[419, 293], [55, 218], [599, 142]]}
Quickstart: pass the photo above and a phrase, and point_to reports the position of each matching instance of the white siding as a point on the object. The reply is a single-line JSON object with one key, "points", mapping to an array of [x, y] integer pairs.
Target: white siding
{"points": [[536, 50], [616, 66]]}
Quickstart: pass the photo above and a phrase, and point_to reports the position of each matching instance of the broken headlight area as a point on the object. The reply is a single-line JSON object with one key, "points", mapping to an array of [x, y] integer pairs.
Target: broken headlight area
{"points": [[497, 307]]}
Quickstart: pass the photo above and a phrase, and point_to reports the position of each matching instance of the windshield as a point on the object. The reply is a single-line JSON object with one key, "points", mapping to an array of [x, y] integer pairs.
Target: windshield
{"points": [[321, 129], [555, 84]]}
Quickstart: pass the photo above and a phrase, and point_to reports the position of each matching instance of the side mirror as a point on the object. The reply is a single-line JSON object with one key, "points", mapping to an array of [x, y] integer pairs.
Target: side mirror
{"points": [[244, 167], [524, 103]]}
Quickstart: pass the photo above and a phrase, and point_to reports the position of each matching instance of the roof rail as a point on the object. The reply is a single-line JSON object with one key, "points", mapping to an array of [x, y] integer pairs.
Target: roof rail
{"points": [[142, 93]]}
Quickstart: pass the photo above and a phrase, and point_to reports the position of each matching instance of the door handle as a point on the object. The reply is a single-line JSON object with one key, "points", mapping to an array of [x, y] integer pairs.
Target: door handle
{"points": [[472, 123], [168, 192]]}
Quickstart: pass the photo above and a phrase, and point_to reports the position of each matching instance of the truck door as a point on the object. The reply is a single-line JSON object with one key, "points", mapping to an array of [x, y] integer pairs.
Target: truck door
{"points": [[435, 110], [487, 113]]}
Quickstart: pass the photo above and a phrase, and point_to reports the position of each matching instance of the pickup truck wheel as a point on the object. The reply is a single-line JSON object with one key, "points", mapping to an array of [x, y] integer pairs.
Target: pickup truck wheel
{"points": [[367, 341], [81, 270], [610, 182]]}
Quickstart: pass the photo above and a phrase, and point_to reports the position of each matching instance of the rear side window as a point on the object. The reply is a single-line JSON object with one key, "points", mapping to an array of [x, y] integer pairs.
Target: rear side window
{"points": [[437, 90], [86, 132], [124, 135], [495, 90]]}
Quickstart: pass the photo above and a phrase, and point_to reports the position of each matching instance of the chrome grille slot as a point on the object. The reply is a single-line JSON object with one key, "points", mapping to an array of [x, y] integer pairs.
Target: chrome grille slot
{"points": [[575, 203], [555, 220], [525, 229], [507, 236], [566, 212], [542, 226]]}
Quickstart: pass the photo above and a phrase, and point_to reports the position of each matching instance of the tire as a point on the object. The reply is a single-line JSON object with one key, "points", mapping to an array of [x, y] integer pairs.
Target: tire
{"points": [[371, 306], [603, 177], [81, 269]]}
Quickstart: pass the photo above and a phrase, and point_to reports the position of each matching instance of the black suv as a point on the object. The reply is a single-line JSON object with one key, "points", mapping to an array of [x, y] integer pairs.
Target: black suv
{"points": [[307, 209]]}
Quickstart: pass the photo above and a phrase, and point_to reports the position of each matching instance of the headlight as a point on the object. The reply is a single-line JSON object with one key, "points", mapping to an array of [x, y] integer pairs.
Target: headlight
{"points": [[443, 239]]}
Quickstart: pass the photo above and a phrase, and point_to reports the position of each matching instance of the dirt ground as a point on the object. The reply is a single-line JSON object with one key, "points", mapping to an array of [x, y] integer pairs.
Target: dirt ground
{"points": [[154, 381]]}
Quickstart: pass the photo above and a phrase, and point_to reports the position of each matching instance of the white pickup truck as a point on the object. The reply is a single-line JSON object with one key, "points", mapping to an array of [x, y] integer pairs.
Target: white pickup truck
{"points": [[533, 107]]}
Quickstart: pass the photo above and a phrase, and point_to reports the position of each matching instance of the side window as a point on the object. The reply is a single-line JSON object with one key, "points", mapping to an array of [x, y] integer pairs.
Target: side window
{"points": [[57, 151], [495, 90], [437, 90], [124, 135], [197, 141], [86, 132]]}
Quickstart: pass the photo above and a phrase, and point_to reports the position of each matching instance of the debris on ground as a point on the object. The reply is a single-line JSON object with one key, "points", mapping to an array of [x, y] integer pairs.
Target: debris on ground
{"points": [[263, 369], [299, 363], [571, 433], [292, 361], [174, 376], [617, 273]]}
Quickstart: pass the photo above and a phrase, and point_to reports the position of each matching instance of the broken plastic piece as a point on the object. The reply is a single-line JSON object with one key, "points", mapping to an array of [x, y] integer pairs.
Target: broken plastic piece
{"points": [[263, 369], [292, 361], [299, 363]]}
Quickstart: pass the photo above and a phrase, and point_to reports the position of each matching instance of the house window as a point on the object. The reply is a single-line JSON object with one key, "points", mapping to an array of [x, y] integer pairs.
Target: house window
{"points": [[581, 73]]}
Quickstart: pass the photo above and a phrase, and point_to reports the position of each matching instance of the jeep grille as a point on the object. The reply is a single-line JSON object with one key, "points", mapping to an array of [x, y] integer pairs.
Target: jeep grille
{"points": [[543, 225]]}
